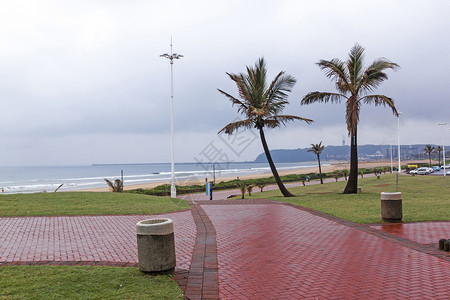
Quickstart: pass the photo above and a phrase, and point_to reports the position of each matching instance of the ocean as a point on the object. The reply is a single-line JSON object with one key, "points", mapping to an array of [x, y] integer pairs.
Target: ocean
{"points": [[46, 179]]}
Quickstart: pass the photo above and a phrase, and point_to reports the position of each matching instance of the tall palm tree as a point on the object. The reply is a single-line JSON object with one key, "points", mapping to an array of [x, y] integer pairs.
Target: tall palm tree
{"points": [[354, 83], [439, 150], [428, 150], [317, 149], [261, 106]]}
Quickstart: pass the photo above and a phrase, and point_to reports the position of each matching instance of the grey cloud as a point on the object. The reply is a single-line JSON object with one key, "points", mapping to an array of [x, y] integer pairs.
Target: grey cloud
{"points": [[88, 71]]}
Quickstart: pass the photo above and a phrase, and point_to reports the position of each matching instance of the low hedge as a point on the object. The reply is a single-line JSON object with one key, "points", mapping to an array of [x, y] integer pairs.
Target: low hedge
{"points": [[164, 189]]}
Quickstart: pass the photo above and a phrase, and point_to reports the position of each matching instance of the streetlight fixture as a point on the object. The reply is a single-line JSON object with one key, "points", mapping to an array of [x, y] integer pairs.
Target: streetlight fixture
{"points": [[171, 57], [443, 145]]}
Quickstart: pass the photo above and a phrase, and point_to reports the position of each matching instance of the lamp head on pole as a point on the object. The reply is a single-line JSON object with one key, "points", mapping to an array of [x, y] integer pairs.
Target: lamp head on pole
{"points": [[171, 57]]}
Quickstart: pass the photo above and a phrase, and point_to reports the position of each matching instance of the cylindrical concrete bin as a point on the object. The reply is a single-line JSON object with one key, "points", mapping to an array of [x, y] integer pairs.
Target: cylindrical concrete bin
{"points": [[391, 207], [156, 245]]}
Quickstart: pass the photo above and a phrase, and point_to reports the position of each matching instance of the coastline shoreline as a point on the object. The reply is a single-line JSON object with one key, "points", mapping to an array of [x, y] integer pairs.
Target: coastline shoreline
{"points": [[325, 169]]}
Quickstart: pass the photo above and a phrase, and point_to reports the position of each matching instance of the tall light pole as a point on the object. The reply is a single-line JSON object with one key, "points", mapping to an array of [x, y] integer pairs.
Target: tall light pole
{"points": [[171, 57], [443, 145], [392, 166], [443, 148], [398, 141]]}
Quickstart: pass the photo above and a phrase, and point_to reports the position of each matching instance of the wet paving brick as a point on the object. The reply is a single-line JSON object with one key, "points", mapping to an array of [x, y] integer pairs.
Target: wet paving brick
{"points": [[272, 251]]}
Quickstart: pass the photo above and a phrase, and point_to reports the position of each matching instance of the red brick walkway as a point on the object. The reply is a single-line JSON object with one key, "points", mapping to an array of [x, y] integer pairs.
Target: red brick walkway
{"points": [[273, 251], [85, 240], [202, 281], [252, 249]]}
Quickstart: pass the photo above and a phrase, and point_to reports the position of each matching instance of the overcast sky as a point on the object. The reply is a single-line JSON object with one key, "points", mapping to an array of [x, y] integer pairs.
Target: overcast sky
{"points": [[82, 82]]}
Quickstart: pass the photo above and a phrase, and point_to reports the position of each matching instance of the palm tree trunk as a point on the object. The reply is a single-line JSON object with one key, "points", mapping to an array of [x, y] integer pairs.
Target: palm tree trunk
{"points": [[439, 156], [352, 183], [280, 184], [429, 156], [320, 169]]}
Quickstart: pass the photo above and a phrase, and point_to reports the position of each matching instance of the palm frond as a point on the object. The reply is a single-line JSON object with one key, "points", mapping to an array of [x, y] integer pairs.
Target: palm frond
{"points": [[232, 127], [382, 64], [355, 65], [324, 97], [277, 91], [110, 184], [270, 90], [258, 76], [380, 100], [275, 121], [335, 70], [242, 106], [242, 86], [375, 75]]}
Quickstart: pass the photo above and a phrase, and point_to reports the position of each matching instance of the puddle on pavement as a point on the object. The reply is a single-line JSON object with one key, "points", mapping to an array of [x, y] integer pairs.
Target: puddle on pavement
{"points": [[392, 228]]}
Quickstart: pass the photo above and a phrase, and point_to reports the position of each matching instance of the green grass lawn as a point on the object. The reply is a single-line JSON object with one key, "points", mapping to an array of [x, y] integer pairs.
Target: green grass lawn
{"points": [[57, 282], [65, 282], [86, 203], [425, 198]]}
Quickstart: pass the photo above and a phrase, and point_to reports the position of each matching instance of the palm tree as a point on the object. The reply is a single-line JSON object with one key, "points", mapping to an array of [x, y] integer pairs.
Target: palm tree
{"points": [[353, 84], [345, 174], [317, 149], [261, 185], [336, 176], [428, 150], [116, 186], [439, 150], [261, 106], [243, 187], [250, 189]]}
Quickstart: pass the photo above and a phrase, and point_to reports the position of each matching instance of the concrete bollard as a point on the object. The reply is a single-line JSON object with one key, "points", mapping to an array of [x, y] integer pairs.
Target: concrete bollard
{"points": [[156, 246], [447, 246], [441, 244], [391, 207]]}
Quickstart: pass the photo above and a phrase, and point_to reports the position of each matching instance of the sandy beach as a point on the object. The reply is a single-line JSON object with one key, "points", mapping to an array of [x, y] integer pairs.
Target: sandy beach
{"points": [[325, 169]]}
